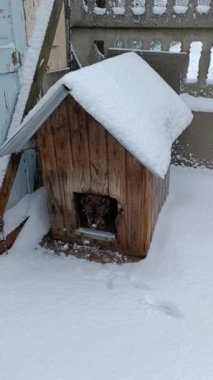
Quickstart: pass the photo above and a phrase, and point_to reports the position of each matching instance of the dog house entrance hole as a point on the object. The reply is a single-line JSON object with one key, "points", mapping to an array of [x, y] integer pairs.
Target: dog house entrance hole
{"points": [[96, 216]]}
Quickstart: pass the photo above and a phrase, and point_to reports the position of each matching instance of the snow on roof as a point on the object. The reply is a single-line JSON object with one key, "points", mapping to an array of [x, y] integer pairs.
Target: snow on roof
{"points": [[130, 100]]}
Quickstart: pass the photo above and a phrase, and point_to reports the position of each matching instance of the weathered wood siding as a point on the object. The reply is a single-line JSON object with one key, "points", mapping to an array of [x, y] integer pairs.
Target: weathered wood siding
{"points": [[156, 193], [79, 155]]}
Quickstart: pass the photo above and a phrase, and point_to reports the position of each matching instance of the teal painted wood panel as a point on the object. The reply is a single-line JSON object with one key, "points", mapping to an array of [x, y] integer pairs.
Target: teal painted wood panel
{"points": [[24, 181], [12, 48], [9, 87]]}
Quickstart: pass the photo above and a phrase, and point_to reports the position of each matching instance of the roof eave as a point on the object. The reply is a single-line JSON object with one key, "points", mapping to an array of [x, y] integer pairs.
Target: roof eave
{"points": [[24, 134]]}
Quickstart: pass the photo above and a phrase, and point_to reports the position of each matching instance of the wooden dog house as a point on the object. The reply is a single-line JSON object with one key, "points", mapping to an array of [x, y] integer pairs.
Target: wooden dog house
{"points": [[105, 184]]}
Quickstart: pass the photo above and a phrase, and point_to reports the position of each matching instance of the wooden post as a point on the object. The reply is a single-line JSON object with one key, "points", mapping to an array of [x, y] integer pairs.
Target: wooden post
{"points": [[8, 180], [44, 55], [8, 241]]}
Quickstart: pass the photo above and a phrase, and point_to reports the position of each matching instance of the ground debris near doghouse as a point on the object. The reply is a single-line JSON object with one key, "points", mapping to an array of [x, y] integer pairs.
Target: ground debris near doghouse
{"points": [[87, 252]]}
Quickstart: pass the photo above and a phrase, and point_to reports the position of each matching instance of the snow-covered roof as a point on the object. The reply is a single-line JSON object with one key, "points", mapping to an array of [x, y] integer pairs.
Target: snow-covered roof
{"points": [[128, 98]]}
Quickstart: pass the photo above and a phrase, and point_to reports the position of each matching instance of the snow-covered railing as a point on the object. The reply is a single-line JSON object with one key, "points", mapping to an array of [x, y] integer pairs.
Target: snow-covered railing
{"points": [[162, 25], [143, 13], [98, 26], [197, 76]]}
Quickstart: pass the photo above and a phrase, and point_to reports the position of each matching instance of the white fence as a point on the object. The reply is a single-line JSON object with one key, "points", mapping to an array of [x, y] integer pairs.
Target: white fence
{"points": [[165, 25], [136, 13]]}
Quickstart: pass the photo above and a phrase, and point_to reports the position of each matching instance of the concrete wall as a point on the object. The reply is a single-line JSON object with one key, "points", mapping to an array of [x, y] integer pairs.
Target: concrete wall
{"points": [[195, 146]]}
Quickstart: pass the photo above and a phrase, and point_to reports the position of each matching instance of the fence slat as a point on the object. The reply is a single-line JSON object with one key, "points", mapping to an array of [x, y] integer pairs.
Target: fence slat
{"points": [[204, 63], [210, 13], [165, 43], [91, 4], [192, 8], [177, 14], [185, 48], [108, 7], [149, 7], [170, 7], [146, 43]]}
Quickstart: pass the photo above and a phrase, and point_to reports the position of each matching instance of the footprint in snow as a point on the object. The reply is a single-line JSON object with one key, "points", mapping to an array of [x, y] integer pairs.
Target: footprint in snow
{"points": [[112, 281], [165, 307], [138, 284]]}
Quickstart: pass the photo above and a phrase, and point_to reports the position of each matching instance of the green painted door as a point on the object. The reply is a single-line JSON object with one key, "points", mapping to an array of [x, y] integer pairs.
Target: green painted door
{"points": [[12, 48]]}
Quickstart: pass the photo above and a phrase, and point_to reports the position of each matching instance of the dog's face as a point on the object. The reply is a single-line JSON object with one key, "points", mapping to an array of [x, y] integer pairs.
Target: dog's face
{"points": [[95, 208]]}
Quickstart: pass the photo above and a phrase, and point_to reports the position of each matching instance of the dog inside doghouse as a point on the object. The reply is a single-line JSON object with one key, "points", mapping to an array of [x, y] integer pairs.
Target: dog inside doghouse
{"points": [[96, 213]]}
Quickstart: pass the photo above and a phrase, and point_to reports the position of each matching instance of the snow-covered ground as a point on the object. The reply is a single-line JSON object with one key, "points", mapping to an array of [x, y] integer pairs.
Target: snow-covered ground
{"points": [[63, 318]]}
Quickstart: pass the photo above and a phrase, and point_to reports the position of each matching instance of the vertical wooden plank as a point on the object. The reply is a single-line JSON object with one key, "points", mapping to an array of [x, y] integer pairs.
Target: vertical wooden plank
{"points": [[57, 59], [156, 194], [50, 177], [153, 204], [156, 197], [159, 196], [167, 181], [150, 206], [156, 200], [44, 55], [163, 191], [79, 146], [117, 186], [146, 214], [116, 169], [98, 157], [61, 137], [58, 55], [9, 240], [135, 201], [6, 185]]}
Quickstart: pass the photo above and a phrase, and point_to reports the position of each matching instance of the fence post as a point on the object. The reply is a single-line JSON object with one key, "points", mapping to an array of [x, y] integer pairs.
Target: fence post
{"points": [[185, 48], [149, 5], [204, 63], [192, 4], [170, 7]]}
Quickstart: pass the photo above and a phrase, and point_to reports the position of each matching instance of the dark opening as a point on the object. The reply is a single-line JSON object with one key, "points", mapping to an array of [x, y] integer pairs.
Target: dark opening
{"points": [[101, 3], [97, 212], [100, 46]]}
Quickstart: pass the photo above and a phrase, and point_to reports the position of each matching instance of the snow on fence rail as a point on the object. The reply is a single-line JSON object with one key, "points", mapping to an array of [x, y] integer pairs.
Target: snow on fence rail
{"points": [[136, 13], [197, 77], [163, 25]]}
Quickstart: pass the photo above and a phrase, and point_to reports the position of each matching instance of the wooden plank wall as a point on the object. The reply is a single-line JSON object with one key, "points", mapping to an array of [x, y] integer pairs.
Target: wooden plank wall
{"points": [[156, 194], [79, 155]]}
